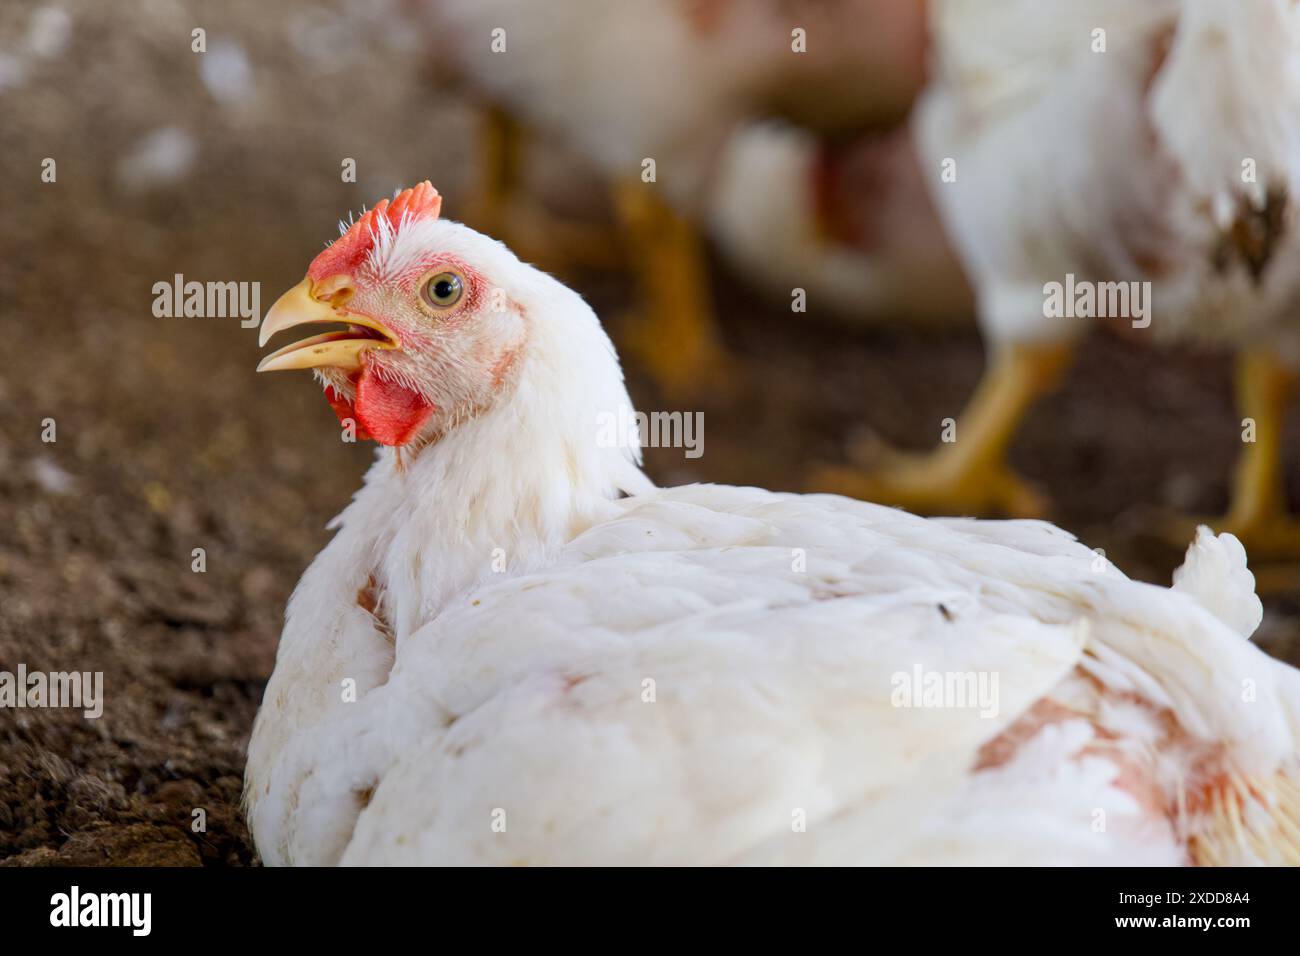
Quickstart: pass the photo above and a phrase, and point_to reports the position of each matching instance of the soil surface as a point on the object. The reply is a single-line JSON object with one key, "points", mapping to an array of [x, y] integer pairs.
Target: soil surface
{"points": [[166, 441]]}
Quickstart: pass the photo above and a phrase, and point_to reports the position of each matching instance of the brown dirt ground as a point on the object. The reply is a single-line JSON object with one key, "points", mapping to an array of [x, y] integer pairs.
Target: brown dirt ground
{"points": [[168, 442]]}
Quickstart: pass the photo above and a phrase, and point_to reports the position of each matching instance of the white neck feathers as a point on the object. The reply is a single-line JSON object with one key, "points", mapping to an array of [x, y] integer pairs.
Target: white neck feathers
{"points": [[501, 492]]}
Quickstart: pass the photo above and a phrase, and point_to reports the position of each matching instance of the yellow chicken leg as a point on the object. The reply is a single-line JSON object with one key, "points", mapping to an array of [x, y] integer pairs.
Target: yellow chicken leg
{"points": [[969, 475], [501, 144], [673, 334], [1258, 513], [501, 208]]}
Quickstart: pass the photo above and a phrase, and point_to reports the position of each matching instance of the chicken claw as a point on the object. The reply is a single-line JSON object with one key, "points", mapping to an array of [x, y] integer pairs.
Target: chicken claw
{"points": [[969, 475], [674, 334], [928, 486]]}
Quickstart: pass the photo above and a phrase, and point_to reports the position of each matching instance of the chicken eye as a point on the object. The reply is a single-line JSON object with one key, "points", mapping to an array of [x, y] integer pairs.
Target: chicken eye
{"points": [[443, 290]]}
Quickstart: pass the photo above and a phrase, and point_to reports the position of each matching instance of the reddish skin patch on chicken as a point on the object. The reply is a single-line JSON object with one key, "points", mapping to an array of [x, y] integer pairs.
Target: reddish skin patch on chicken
{"points": [[1208, 789], [368, 595], [573, 680], [1134, 779], [504, 366]]}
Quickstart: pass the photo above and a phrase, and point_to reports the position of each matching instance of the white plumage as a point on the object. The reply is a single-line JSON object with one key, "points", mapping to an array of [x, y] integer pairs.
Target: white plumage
{"points": [[619, 83], [762, 214], [1126, 163], [556, 662]]}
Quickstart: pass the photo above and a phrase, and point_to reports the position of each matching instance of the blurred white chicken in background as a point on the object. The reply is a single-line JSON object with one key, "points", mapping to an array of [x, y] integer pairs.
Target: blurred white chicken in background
{"points": [[671, 82], [859, 234], [517, 650], [1113, 141]]}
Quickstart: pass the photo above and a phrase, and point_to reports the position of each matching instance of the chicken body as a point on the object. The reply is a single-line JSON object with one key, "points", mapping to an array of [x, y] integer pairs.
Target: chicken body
{"points": [[1140, 150], [1121, 165], [517, 650]]}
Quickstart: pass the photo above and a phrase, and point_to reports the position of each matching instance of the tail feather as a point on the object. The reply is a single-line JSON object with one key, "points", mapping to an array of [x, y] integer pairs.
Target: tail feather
{"points": [[1238, 819], [1215, 574]]}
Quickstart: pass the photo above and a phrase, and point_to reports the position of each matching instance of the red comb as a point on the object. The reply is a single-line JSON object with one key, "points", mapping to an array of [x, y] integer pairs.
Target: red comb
{"points": [[418, 202]]}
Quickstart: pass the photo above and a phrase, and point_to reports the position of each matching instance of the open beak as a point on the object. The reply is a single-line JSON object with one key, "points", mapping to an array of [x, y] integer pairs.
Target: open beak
{"points": [[311, 302]]}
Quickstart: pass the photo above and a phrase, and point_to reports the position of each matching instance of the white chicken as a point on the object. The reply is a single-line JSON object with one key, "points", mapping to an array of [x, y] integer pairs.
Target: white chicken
{"points": [[516, 649], [861, 238], [1102, 144], [650, 95]]}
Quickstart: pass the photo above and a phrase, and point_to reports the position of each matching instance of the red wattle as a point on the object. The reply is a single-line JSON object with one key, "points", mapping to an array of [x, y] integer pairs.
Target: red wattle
{"points": [[390, 413], [345, 411]]}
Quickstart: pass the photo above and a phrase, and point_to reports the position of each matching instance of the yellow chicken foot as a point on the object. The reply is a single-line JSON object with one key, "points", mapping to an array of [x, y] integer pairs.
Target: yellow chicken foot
{"points": [[970, 474], [1257, 512], [673, 333]]}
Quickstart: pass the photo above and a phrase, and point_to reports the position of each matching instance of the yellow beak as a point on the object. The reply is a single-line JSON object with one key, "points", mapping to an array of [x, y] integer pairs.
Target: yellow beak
{"points": [[306, 303]]}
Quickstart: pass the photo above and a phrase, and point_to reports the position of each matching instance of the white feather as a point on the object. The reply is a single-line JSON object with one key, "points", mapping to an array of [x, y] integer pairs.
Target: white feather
{"points": [[1117, 164]]}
